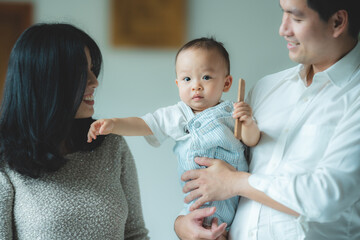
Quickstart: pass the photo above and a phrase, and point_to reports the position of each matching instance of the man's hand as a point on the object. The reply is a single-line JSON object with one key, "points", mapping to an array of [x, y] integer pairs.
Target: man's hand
{"points": [[189, 227], [216, 182]]}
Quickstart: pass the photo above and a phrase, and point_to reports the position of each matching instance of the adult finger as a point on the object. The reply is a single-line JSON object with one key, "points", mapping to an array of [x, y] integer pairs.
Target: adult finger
{"points": [[192, 195], [191, 174], [203, 212], [217, 229], [198, 203], [204, 161], [190, 186]]}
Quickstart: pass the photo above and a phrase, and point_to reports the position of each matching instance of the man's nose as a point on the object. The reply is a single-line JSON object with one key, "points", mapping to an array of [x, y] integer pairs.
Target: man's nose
{"points": [[285, 27]]}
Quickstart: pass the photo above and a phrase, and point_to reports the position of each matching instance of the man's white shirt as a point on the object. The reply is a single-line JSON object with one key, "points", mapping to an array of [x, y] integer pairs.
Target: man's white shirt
{"points": [[308, 158]]}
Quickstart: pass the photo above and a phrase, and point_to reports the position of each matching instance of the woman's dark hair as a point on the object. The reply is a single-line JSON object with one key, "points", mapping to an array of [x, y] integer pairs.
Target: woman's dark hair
{"points": [[326, 8], [45, 83], [209, 44]]}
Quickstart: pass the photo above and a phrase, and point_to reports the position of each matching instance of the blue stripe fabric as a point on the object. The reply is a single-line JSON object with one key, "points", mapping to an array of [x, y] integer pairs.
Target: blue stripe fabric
{"points": [[211, 135]]}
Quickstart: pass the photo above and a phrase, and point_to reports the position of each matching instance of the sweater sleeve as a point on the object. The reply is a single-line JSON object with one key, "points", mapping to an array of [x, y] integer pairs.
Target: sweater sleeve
{"points": [[135, 226], [6, 206]]}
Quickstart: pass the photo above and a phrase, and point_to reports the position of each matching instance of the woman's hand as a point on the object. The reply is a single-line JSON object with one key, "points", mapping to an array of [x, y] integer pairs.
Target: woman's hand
{"points": [[219, 181], [190, 226]]}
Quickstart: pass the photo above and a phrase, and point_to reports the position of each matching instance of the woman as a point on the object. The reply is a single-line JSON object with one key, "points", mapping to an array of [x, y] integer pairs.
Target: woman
{"points": [[53, 184]]}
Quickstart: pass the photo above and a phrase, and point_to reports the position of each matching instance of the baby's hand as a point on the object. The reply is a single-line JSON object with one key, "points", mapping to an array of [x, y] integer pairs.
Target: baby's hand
{"points": [[100, 127], [243, 112]]}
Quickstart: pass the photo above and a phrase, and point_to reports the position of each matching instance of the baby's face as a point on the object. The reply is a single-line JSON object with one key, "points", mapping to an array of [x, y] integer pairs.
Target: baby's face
{"points": [[201, 78]]}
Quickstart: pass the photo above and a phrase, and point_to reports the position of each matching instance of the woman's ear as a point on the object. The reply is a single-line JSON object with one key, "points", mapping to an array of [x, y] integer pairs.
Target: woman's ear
{"points": [[228, 83], [339, 22]]}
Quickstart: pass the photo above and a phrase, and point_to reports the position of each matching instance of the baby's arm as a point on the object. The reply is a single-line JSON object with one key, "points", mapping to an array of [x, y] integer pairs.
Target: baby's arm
{"points": [[250, 133], [132, 126]]}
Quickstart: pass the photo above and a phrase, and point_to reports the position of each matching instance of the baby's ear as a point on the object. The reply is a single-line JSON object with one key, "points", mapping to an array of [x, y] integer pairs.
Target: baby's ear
{"points": [[177, 83], [228, 83]]}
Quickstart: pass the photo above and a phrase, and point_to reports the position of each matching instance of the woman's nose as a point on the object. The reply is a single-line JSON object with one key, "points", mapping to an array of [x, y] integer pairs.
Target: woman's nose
{"points": [[92, 80]]}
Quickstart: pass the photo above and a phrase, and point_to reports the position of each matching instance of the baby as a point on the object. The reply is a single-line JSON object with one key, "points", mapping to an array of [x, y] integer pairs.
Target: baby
{"points": [[201, 123]]}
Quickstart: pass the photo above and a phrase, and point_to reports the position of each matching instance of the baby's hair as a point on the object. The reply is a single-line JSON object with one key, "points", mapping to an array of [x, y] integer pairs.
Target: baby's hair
{"points": [[208, 44]]}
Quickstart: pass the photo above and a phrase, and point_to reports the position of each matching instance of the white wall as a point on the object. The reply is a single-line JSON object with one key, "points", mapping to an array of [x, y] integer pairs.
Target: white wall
{"points": [[137, 81]]}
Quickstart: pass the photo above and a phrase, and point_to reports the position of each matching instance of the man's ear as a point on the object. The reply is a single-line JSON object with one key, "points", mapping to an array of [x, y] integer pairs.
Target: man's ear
{"points": [[228, 83], [339, 22]]}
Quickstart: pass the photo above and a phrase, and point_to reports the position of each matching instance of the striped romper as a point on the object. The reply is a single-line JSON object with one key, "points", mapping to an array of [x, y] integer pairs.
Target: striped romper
{"points": [[209, 133]]}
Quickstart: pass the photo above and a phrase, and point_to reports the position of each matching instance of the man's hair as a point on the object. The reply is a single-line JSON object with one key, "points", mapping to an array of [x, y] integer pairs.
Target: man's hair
{"points": [[45, 84], [326, 8], [208, 44]]}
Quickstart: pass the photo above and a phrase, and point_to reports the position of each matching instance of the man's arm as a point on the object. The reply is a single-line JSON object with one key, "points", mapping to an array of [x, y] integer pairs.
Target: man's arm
{"points": [[220, 181], [320, 195]]}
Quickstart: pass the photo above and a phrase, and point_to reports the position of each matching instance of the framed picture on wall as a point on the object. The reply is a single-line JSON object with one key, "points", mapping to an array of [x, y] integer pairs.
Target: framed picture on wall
{"points": [[144, 23], [15, 17]]}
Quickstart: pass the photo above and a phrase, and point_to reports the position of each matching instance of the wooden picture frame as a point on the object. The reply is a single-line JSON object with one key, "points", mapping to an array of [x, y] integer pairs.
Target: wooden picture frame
{"points": [[144, 23], [14, 19]]}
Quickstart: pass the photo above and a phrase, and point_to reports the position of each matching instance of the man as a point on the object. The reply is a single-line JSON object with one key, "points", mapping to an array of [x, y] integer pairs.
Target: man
{"points": [[305, 172]]}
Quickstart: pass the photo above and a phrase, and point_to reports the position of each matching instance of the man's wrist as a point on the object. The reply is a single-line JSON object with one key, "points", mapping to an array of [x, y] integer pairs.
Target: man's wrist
{"points": [[240, 183]]}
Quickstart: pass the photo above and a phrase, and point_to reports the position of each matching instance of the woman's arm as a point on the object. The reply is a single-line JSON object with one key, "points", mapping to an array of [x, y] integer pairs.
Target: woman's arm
{"points": [[6, 207]]}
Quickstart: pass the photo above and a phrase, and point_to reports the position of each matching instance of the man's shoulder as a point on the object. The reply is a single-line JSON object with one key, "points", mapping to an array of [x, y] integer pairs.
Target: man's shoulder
{"points": [[273, 79], [284, 74], [265, 84]]}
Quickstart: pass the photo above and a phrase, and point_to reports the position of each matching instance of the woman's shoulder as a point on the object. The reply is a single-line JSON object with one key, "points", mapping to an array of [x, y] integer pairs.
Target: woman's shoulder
{"points": [[112, 140], [4, 178], [114, 144], [3, 164]]}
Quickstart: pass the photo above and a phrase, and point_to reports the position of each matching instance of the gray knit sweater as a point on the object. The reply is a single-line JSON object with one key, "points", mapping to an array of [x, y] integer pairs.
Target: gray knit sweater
{"points": [[94, 196]]}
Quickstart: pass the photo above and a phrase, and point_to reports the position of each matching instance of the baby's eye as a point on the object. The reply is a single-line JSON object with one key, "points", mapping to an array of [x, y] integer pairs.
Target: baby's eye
{"points": [[186, 79], [206, 77]]}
